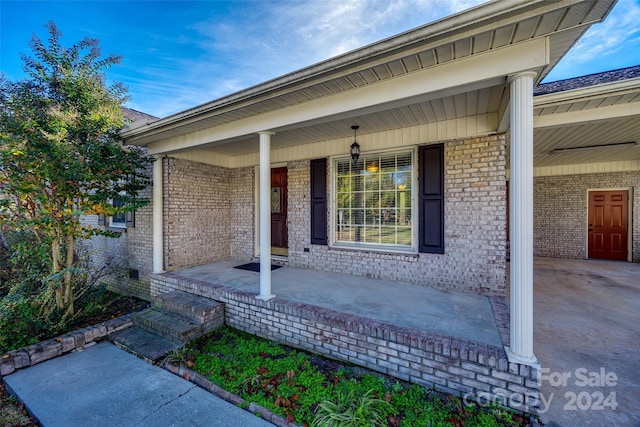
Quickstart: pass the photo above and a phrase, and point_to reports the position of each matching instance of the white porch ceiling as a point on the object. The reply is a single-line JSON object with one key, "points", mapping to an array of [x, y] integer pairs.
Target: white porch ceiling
{"points": [[467, 104], [589, 135], [594, 116], [594, 132]]}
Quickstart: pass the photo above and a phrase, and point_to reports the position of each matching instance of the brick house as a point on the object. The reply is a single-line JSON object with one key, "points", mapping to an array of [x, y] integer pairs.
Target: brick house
{"points": [[459, 165]]}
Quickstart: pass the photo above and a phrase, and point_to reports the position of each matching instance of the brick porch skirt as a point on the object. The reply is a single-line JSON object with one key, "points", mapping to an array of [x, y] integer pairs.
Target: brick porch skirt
{"points": [[475, 371]]}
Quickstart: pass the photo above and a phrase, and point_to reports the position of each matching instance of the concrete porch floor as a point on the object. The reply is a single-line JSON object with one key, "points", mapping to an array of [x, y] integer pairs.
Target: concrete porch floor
{"points": [[586, 324], [454, 314]]}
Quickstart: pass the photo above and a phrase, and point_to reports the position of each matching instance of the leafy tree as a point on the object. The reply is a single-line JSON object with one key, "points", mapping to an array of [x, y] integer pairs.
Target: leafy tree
{"points": [[61, 155]]}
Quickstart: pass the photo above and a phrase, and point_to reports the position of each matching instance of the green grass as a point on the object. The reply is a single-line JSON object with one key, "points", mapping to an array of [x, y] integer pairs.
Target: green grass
{"points": [[309, 390]]}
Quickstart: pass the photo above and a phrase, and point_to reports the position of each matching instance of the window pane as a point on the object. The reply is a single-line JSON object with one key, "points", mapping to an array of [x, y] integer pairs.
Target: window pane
{"points": [[371, 235], [372, 182], [344, 182], [388, 217], [404, 217], [357, 200], [372, 216], [357, 183], [275, 200], [343, 167], [357, 217], [388, 199], [404, 235], [388, 235], [372, 199], [388, 164], [120, 217], [372, 165], [388, 181]]}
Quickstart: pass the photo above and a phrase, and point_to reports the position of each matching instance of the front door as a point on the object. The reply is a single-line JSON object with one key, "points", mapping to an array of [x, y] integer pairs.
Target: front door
{"points": [[608, 232], [279, 229]]}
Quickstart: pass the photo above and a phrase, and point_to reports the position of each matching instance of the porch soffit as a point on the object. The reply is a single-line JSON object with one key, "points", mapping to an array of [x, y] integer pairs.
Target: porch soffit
{"points": [[446, 81], [482, 31], [593, 116]]}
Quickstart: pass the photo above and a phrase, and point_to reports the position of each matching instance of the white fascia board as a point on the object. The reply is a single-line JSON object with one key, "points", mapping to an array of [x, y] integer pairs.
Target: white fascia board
{"points": [[588, 168], [486, 67], [590, 115], [204, 156]]}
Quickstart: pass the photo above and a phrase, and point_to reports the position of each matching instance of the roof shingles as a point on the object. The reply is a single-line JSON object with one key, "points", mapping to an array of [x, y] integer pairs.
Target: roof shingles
{"points": [[588, 80]]}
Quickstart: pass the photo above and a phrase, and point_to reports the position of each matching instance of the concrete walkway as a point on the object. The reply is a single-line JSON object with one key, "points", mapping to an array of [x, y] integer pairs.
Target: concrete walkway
{"points": [[587, 337], [106, 386]]}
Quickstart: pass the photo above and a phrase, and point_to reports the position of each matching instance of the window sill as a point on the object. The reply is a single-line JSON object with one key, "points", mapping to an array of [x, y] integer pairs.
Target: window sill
{"points": [[411, 253], [115, 227]]}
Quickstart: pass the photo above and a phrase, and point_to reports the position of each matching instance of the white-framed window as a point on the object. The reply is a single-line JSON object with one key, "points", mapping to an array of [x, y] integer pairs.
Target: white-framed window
{"points": [[118, 220], [373, 203]]}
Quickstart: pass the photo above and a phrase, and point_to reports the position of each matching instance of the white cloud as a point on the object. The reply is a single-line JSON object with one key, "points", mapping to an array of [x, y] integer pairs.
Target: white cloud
{"points": [[609, 37], [271, 39], [612, 44], [257, 41]]}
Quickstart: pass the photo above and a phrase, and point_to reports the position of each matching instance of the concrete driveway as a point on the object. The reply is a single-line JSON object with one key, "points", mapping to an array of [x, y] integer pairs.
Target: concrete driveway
{"points": [[587, 339]]}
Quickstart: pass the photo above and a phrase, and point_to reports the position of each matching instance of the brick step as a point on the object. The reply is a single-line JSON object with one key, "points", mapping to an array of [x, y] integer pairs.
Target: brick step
{"points": [[142, 343], [196, 308], [166, 324]]}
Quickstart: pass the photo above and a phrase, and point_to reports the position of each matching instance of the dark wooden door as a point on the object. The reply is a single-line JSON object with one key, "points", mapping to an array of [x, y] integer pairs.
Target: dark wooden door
{"points": [[608, 222], [279, 229]]}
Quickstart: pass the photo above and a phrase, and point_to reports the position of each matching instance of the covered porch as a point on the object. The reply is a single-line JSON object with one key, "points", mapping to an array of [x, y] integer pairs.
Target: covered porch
{"points": [[451, 341]]}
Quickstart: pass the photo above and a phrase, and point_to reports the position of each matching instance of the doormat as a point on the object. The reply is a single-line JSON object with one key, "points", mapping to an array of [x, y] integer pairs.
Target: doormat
{"points": [[255, 266]]}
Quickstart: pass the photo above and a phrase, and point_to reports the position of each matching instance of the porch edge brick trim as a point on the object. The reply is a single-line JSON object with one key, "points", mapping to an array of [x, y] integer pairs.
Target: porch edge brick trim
{"points": [[52, 348], [502, 315], [448, 364]]}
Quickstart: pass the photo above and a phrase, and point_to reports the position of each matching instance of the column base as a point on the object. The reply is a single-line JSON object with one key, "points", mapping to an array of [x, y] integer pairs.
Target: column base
{"points": [[513, 357], [265, 297]]}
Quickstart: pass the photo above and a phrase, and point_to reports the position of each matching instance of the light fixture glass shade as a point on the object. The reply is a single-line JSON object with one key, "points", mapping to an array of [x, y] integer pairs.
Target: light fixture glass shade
{"points": [[355, 152], [355, 147]]}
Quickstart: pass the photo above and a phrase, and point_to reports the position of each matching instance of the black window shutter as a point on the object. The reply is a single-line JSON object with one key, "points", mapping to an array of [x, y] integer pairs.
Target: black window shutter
{"points": [[319, 202], [431, 196], [102, 219], [130, 219]]}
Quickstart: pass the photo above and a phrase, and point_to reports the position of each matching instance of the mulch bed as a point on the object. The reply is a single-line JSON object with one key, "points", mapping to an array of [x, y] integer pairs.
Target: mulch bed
{"points": [[7, 403]]}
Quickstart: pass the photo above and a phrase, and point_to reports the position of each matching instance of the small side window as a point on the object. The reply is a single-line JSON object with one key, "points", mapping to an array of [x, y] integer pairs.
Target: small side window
{"points": [[119, 220]]}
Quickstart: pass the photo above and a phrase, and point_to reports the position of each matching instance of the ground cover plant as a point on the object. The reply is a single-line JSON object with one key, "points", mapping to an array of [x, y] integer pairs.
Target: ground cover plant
{"points": [[12, 412], [313, 391]]}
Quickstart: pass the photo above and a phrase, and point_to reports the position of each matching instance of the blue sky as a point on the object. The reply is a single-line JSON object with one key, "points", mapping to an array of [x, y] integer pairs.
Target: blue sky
{"points": [[178, 54]]}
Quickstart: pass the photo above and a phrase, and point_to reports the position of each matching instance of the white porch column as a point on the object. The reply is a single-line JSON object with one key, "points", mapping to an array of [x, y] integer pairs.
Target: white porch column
{"points": [[521, 213], [265, 216], [158, 220]]}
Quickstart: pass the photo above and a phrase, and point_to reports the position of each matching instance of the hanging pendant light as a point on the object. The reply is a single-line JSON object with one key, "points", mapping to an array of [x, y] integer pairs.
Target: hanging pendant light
{"points": [[355, 147]]}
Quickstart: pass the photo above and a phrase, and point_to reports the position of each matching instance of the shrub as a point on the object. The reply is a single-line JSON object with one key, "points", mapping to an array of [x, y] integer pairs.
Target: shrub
{"points": [[18, 323], [24, 263]]}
